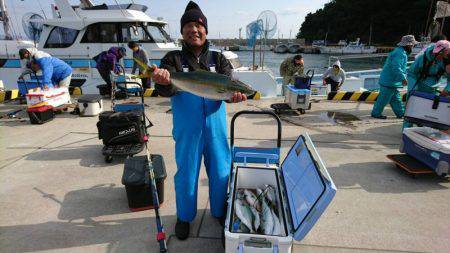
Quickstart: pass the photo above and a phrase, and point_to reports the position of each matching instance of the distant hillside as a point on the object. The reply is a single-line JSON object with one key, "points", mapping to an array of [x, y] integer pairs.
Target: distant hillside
{"points": [[350, 19]]}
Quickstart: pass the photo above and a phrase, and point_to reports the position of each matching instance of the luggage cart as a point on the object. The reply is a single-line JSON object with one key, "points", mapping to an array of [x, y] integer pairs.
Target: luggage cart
{"points": [[131, 149], [303, 186]]}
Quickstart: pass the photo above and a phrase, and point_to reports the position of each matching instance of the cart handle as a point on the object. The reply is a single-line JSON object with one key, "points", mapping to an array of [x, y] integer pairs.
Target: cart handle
{"points": [[269, 113], [268, 157]]}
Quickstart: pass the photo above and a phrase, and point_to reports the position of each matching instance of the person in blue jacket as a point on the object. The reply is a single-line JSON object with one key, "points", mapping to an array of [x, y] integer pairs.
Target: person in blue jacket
{"points": [[425, 73], [428, 69], [54, 71], [393, 76], [199, 124]]}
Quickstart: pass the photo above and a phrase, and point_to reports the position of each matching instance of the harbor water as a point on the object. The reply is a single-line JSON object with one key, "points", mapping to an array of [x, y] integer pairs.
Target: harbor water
{"points": [[318, 62]]}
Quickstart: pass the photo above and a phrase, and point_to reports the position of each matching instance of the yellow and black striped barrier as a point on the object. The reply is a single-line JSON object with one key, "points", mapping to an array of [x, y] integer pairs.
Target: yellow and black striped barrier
{"points": [[154, 93], [358, 96], [8, 95]]}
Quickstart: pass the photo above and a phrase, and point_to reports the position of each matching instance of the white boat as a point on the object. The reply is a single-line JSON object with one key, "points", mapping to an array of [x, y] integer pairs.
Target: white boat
{"points": [[281, 49], [355, 47], [294, 48], [76, 34]]}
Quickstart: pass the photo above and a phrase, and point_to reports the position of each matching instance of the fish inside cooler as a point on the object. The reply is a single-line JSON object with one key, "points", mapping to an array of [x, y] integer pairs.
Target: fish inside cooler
{"points": [[257, 208]]}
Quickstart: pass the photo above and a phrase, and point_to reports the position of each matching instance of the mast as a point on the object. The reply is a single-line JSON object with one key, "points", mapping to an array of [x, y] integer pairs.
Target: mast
{"points": [[5, 19], [370, 33]]}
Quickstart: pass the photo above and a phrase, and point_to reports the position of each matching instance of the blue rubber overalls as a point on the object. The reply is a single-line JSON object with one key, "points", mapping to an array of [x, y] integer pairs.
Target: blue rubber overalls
{"points": [[392, 75], [200, 129]]}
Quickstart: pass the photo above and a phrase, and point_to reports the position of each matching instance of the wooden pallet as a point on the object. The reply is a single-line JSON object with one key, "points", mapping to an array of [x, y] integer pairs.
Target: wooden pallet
{"points": [[410, 164]]}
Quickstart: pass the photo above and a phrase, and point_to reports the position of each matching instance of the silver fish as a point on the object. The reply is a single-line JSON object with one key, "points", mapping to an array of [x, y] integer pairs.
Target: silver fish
{"points": [[209, 85], [244, 213], [267, 221], [276, 224], [256, 220]]}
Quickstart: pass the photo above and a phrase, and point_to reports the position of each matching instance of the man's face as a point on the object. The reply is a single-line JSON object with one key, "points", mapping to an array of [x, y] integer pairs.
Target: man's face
{"points": [[298, 62], [194, 34], [26, 55], [135, 49]]}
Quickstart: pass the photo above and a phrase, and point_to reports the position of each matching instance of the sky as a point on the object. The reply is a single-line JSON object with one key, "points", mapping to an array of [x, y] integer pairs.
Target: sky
{"points": [[224, 17]]}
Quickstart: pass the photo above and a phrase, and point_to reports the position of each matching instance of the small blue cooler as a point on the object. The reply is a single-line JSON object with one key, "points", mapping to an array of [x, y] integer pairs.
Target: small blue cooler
{"points": [[25, 85], [304, 190]]}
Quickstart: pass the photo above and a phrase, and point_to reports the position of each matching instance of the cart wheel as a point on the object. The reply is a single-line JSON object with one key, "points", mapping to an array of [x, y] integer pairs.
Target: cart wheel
{"points": [[309, 107], [108, 159], [302, 111], [443, 174], [66, 109]]}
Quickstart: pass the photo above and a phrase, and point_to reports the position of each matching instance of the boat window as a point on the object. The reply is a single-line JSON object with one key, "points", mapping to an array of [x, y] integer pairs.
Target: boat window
{"points": [[134, 32], [158, 34], [61, 37], [101, 33]]}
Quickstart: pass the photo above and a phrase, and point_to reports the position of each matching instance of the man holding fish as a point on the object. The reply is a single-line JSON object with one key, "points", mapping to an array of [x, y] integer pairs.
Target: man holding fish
{"points": [[199, 116]]}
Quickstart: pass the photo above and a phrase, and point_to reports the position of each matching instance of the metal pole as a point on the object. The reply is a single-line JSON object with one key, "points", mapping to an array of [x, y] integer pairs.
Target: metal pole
{"points": [[254, 55], [5, 19], [428, 18], [443, 20]]}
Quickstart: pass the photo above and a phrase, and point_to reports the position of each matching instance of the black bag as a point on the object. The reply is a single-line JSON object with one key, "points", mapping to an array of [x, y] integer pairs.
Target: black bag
{"points": [[121, 127]]}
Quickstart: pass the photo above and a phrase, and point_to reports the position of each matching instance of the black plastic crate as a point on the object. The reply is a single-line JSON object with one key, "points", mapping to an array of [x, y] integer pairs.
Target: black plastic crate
{"points": [[136, 179], [40, 115]]}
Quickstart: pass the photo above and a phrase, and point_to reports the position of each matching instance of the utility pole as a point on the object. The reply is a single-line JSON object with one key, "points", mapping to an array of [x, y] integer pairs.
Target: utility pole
{"points": [[240, 33], [4, 18]]}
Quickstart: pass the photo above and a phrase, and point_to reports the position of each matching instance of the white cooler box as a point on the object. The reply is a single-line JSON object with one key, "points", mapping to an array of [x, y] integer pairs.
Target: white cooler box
{"points": [[302, 184], [52, 97], [90, 105], [297, 98], [428, 110], [428, 145]]}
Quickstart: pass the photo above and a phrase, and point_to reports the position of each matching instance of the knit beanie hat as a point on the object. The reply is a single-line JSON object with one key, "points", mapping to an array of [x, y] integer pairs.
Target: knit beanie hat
{"points": [[193, 13]]}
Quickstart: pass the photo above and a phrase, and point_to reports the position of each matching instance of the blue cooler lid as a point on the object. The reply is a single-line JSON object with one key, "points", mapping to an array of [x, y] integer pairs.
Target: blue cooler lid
{"points": [[309, 187], [298, 91]]}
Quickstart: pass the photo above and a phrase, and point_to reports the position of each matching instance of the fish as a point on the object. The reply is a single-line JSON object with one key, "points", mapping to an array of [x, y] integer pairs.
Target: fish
{"points": [[267, 221], [203, 83], [256, 219], [209, 85], [244, 213], [276, 224], [251, 198]]}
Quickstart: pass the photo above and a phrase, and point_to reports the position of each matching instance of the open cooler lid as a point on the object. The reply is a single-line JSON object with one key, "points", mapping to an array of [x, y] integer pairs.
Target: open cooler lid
{"points": [[309, 187]]}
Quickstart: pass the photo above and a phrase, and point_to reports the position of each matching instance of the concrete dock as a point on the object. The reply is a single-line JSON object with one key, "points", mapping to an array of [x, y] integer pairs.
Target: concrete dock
{"points": [[58, 195]]}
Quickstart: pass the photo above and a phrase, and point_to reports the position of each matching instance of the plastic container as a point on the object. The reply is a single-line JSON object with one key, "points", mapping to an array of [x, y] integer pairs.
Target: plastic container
{"points": [[304, 191], [428, 110], [40, 115], [54, 97], [297, 98], [136, 180], [428, 145], [90, 105]]}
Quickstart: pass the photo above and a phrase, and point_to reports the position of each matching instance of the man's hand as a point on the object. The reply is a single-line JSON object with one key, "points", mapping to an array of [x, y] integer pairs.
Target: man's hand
{"points": [[405, 82], [161, 76], [238, 97], [445, 93], [340, 85]]}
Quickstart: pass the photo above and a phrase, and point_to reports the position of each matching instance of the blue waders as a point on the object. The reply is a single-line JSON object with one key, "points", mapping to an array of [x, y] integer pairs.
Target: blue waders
{"points": [[200, 129]]}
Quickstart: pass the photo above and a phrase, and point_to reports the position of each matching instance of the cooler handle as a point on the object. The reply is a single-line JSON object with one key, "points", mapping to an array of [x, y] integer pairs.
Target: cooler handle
{"points": [[268, 157], [269, 113]]}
